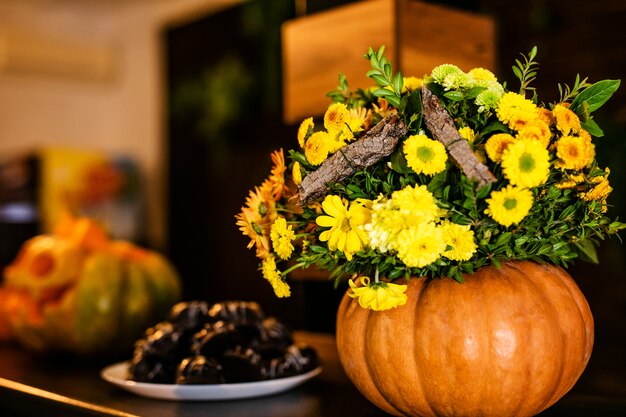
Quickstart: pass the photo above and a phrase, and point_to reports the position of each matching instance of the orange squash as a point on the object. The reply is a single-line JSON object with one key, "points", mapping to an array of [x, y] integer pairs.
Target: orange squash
{"points": [[78, 291], [509, 341]]}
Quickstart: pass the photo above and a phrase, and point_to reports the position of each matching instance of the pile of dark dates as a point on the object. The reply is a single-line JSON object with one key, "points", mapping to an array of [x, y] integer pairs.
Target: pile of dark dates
{"points": [[227, 342]]}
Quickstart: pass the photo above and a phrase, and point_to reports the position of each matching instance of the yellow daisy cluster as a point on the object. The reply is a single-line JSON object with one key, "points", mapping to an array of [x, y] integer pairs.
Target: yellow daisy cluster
{"points": [[269, 233], [574, 149], [274, 277], [340, 124], [411, 224], [525, 155]]}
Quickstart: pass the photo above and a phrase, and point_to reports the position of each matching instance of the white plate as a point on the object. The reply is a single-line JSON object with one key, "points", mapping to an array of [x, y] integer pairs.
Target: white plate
{"points": [[117, 374]]}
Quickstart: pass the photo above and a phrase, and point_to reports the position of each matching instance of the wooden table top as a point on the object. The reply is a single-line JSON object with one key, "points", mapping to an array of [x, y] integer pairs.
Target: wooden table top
{"points": [[34, 385]]}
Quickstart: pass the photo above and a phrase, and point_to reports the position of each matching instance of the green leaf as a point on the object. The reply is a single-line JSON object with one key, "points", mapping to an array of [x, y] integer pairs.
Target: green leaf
{"points": [[380, 80], [398, 161], [383, 92], [454, 95], [394, 100], [398, 82], [474, 92], [503, 239], [495, 127], [381, 52], [414, 103], [388, 70], [592, 127], [318, 249], [595, 95], [587, 251]]}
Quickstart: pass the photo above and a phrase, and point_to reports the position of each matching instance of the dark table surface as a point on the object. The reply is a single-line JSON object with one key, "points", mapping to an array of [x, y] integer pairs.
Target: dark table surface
{"points": [[34, 385]]}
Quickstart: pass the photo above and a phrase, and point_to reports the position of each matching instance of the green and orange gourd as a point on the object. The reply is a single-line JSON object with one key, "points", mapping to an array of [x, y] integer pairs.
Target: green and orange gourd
{"points": [[75, 290]]}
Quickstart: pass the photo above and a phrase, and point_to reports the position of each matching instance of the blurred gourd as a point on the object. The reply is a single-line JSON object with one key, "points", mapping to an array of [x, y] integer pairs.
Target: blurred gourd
{"points": [[78, 291]]}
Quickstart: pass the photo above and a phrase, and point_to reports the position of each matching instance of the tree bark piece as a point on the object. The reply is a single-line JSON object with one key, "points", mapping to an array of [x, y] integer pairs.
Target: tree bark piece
{"points": [[379, 142], [442, 128]]}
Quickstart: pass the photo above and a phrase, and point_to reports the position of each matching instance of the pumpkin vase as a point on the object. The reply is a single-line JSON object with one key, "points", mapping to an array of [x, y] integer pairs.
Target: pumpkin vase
{"points": [[507, 342]]}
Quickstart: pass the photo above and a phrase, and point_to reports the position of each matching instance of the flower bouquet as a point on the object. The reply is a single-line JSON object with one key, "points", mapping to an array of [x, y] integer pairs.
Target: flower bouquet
{"points": [[434, 177], [414, 184]]}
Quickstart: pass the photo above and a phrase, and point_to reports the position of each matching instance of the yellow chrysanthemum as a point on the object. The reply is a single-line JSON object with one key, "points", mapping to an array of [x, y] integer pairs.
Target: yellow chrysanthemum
{"points": [[574, 152], [357, 120], [250, 225], [335, 116], [412, 84], [385, 224], [269, 270], [337, 139], [424, 155], [281, 288], [282, 236], [571, 182], [497, 144], [526, 163], [406, 207], [256, 218], [601, 190], [460, 238], [274, 277], [515, 110], [482, 74], [509, 205], [277, 174], [304, 130], [296, 173], [420, 245], [416, 203], [345, 233], [566, 120], [316, 148], [545, 116], [467, 133], [378, 296], [536, 130]]}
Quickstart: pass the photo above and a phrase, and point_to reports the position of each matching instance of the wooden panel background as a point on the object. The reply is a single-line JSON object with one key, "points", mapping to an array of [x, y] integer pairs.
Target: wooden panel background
{"points": [[418, 36], [430, 35], [317, 48]]}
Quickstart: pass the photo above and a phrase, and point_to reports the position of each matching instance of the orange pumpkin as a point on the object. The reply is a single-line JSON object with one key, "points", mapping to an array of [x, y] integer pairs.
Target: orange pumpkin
{"points": [[509, 341]]}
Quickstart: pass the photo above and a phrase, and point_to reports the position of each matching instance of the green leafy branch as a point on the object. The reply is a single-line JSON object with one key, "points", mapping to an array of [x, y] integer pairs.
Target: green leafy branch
{"points": [[381, 72], [567, 94], [526, 72]]}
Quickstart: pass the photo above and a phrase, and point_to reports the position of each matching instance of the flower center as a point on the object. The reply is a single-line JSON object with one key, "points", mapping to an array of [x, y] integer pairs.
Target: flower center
{"points": [[345, 225], [425, 153], [526, 162], [573, 151], [510, 203], [257, 228]]}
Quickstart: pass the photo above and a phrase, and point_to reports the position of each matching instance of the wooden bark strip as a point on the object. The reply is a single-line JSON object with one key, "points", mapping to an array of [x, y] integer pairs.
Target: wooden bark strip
{"points": [[442, 128], [379, 142]]}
